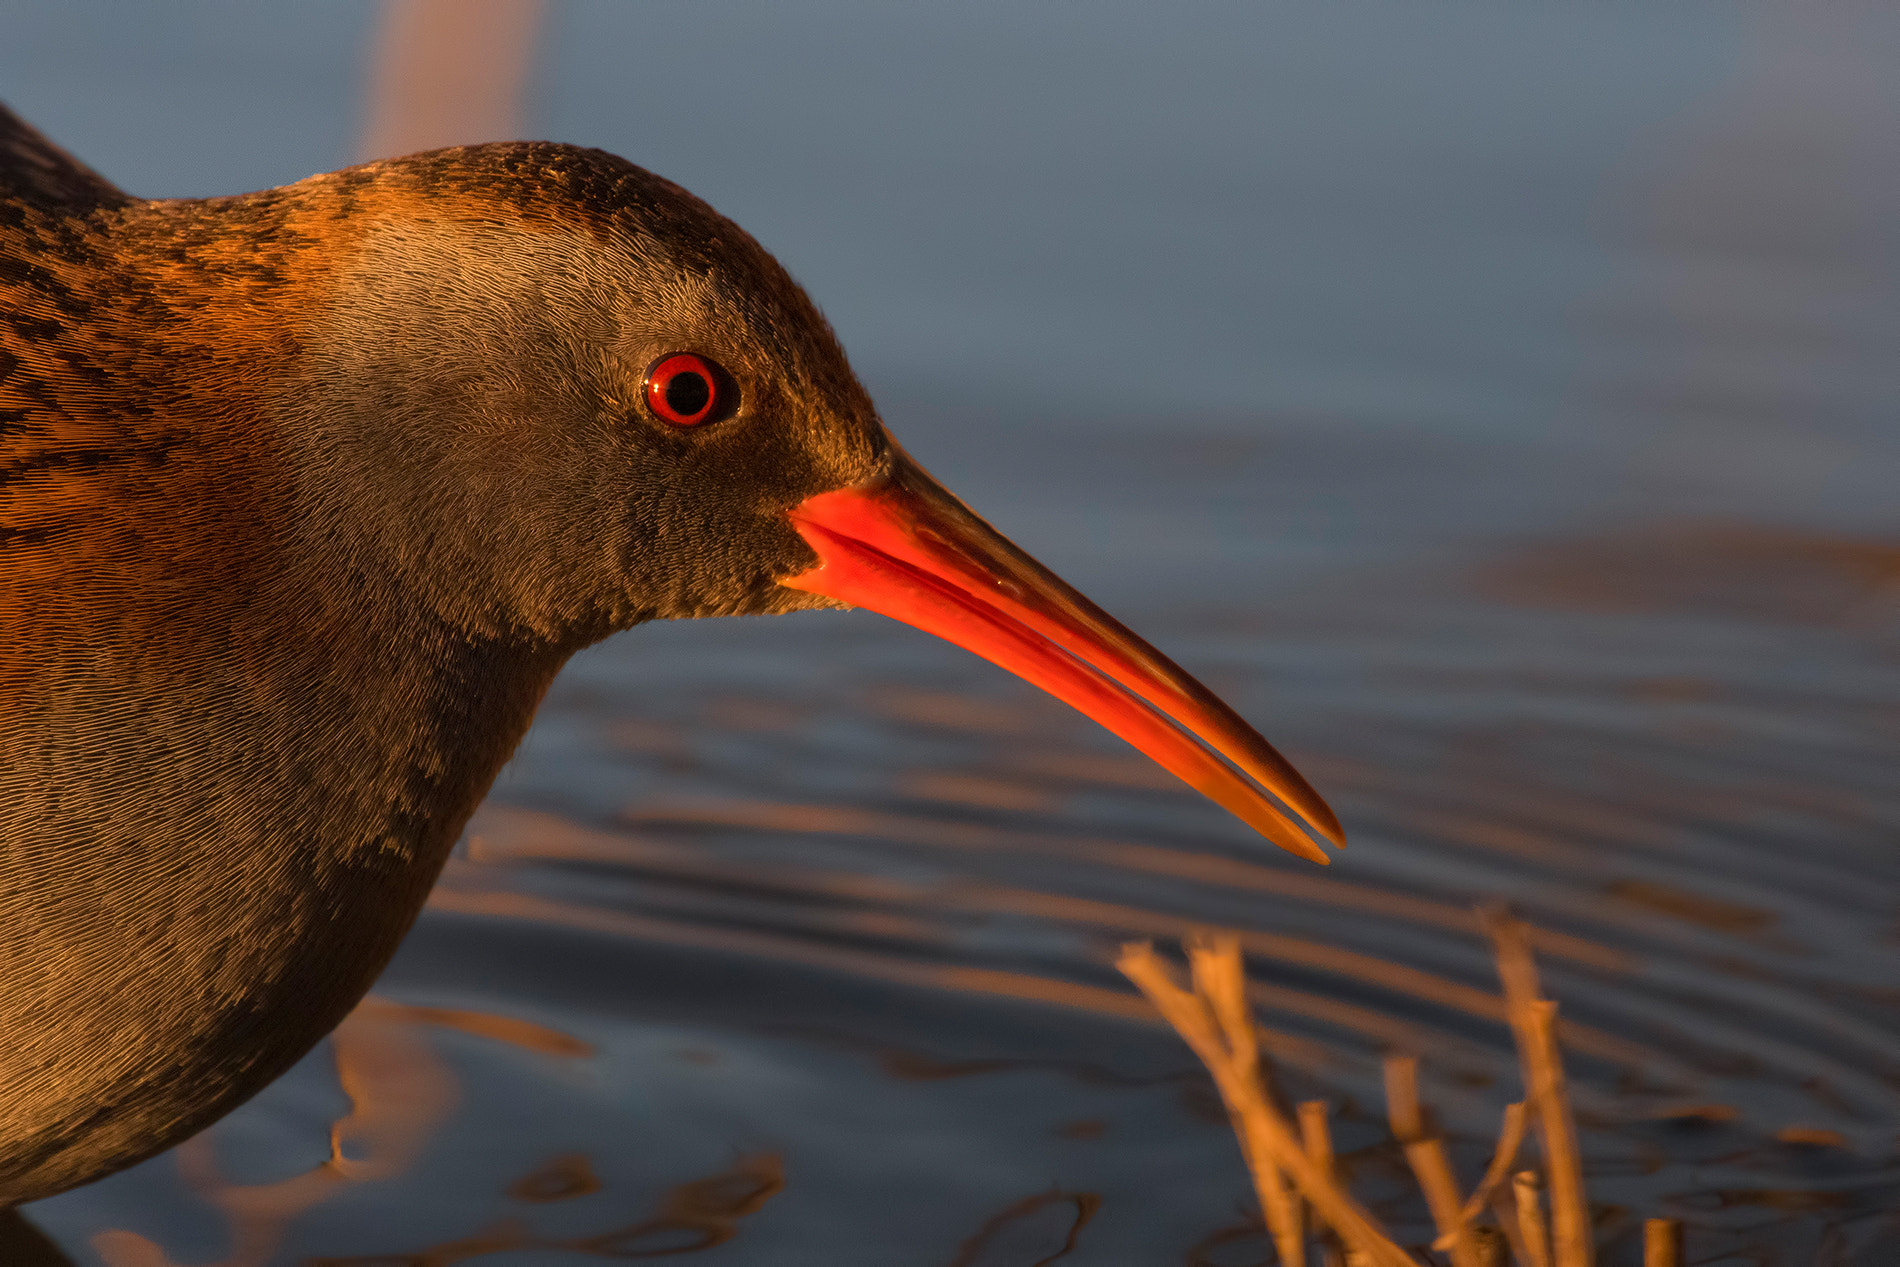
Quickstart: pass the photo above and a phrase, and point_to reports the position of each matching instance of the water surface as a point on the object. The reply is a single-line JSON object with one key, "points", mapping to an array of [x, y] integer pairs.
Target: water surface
{"points": [[1495, 407]]}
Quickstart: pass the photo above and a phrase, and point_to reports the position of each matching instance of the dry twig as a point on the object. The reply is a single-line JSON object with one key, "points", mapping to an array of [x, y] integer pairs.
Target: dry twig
{"points": [[1510, 1143], [1425, 1153], [1534, 1023], [1220, 981], [1530, 1218], [1265, 1135], [1662, 1243], [1215, 1020], [1317, 1137]]}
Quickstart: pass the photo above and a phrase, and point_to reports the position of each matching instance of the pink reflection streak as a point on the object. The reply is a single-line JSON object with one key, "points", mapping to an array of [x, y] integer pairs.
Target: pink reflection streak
{"points": [[448, 72]]}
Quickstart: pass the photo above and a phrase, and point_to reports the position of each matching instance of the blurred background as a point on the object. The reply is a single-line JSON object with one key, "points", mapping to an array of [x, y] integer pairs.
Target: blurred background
{"points": [[1496, 404]]}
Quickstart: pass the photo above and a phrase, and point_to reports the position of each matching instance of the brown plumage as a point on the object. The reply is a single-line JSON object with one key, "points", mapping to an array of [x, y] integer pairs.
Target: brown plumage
{"points": [[269, 631], [305, 496]]}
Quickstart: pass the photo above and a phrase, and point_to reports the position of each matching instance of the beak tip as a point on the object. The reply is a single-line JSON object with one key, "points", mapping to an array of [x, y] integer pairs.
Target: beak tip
{"points": [[1311, 852]]}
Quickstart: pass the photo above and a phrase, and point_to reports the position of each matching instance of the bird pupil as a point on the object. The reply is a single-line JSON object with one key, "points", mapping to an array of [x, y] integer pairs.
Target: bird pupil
{"points": [[687, 393]]}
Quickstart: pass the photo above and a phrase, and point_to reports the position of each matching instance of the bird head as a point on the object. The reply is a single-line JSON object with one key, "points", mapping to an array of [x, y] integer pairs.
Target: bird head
{"points": [[553, 395]]}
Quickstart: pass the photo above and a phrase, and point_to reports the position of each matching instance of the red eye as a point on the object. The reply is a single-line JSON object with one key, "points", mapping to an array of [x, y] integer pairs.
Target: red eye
{"points": [[684, 390]]}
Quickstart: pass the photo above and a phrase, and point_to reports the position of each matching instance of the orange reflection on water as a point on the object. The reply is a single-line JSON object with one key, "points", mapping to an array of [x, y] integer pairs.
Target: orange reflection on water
{"points": [[566, 1177], [504, 1029], [981, 790], [513, 834], [399, 1091], [693, 1216], [1398, 977], [1205, 868], [1097, 999], [1693, 908], [1746, 570], [1019, 1234], [947, 710], [1091, 767]]}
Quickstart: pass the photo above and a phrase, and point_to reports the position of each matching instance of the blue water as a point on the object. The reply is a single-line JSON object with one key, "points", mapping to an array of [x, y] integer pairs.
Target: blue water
{"points": [[1497, 406]]}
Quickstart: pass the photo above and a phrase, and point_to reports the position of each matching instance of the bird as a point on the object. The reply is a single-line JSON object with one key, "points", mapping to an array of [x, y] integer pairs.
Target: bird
{"points": [[307, 494]]}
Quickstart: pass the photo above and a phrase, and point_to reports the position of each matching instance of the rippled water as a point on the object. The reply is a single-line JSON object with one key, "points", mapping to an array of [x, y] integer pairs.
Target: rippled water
{"points": [[823, 904], [791, 941]]}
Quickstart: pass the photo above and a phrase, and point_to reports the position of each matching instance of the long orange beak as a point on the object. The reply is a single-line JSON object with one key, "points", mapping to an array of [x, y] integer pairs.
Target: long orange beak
{"points": [[904, 547]]}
